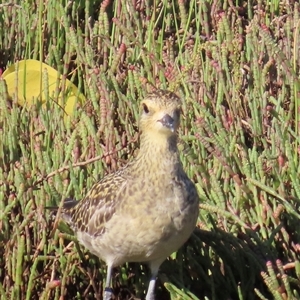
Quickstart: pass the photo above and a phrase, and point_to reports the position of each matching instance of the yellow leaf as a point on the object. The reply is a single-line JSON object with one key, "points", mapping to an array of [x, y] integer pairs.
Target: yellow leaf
{"points": [[27, 79]]}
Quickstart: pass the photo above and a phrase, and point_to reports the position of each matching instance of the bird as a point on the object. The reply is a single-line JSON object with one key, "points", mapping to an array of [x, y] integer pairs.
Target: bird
{"points": [[147, 209]]}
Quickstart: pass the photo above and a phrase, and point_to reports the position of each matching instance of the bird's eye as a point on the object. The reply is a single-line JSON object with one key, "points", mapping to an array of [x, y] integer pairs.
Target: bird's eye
{"points": [[145, 108], [177, 113]]}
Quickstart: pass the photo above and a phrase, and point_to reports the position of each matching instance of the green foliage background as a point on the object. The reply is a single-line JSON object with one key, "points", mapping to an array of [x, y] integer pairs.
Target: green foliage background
{"points": [[236, 65]]}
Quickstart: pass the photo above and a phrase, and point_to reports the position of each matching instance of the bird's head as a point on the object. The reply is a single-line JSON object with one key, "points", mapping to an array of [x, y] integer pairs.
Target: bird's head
{"points": [[160, 113]]}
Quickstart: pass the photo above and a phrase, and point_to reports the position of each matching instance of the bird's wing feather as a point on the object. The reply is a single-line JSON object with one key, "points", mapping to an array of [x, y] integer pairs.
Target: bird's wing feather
{"points": [[92, 213]]}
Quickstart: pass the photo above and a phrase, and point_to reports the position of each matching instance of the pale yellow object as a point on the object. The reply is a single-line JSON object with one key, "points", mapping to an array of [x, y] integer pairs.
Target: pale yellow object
{"points": [[146, 210], [26, 79]]}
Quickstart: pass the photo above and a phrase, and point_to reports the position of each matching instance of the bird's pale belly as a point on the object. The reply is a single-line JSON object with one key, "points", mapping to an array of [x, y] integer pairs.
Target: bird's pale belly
{"points": [[136, 241]]}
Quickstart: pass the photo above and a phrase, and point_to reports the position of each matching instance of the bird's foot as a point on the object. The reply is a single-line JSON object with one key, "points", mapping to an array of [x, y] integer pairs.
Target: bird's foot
{"points": [[108, 292]]}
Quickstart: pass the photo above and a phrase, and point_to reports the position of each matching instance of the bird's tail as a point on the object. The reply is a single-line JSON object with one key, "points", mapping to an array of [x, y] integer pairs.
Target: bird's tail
{"points": [[64, 216], [68, 204]]}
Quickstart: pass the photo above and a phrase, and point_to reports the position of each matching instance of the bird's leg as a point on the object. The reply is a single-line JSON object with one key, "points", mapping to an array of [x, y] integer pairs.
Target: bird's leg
{"points": [[108, 290], [150, 293], [154, 266]]}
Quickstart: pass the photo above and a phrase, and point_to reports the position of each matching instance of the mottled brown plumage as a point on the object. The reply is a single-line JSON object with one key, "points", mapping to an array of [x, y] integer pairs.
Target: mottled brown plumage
{"points": [[146, 210]]}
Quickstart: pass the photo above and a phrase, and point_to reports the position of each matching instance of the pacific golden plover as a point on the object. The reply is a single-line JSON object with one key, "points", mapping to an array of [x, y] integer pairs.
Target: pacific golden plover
{"points": [[146, 210]]}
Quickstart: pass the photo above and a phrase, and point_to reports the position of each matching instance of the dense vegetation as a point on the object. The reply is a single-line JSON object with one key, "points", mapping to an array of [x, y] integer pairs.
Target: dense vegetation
{"points": [[236, 66]]}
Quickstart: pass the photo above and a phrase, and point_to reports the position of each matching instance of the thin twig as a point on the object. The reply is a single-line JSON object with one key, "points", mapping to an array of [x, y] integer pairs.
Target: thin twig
{"points": [[79, 164]]}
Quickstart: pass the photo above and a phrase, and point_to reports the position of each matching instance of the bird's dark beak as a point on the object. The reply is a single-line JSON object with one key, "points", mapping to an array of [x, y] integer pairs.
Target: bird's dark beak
{"points": [[168, 122]]}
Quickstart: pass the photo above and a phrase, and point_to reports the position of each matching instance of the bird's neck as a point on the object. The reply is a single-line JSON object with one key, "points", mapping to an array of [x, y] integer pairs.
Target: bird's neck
{"points": [[161, 145], [158, 153]]}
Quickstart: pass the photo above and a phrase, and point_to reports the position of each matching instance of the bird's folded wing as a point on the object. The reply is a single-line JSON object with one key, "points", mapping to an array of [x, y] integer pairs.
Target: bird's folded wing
{"points": [[92, 213]]}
